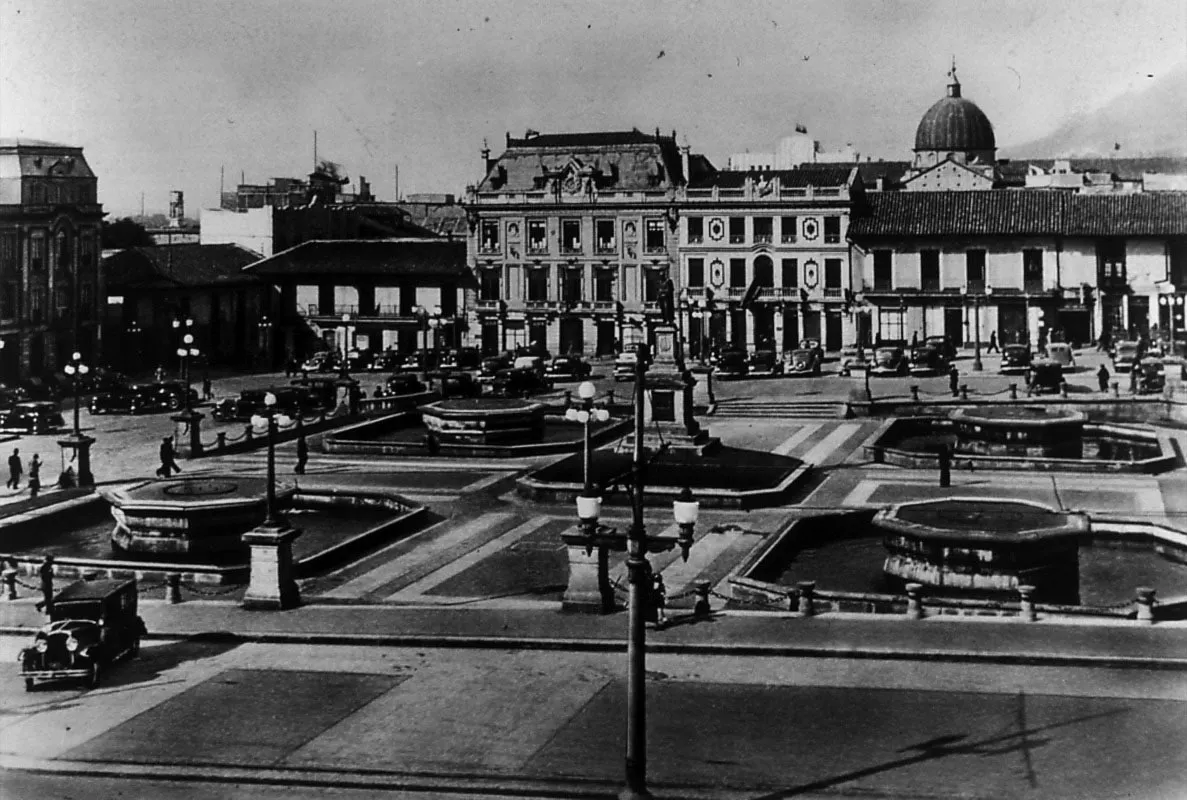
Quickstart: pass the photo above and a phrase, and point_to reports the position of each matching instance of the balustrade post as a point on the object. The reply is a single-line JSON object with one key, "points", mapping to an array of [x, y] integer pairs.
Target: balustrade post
{"points": [[807, 598], [1145, 601], [173, 587], [1027, 602], [915, 600]]}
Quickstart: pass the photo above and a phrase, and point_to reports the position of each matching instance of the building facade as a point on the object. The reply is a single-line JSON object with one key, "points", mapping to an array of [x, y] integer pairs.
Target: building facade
{"points": [[50, 293]]}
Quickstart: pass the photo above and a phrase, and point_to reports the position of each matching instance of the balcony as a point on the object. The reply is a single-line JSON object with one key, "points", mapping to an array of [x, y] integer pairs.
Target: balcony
{"points": [[604, 306], [696, 239], [653, 248], [488, 304], [788, 238], [572, 248], [538, 248], [763, 238], [490, 248], [976, 287], [777, 293], [737, 239], [1032, 287], [538, 305], [606, 247], [834, 291]]}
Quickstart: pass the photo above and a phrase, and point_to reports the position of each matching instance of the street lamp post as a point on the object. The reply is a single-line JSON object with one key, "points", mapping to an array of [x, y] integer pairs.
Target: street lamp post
{"points": [[637, 544], [585, 415], [977, 365], [273, 517], [77, 441], [272, 581], [265, 340], [422, 316], [76, 370], [185, 351]]}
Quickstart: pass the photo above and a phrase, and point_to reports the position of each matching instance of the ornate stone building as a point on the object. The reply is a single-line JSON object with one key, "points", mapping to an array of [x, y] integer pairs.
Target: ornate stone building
{"points": [[49, 257]]}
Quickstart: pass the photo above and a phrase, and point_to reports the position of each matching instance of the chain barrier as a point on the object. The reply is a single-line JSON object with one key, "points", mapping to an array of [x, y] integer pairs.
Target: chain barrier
{"points": [[30, 586], [192, 587], [764, 603], [150, 587]]}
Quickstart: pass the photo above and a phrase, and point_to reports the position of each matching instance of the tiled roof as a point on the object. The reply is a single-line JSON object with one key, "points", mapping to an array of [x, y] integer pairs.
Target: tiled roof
{"points": [[1024, 212], [436, 258], [1139, 214], [441, 219], [829, 175], [180, 265]]}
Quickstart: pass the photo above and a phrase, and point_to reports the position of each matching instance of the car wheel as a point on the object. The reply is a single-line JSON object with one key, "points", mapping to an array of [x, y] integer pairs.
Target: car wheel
{"points": [[93, 678], [174, 403], [29, 685]]}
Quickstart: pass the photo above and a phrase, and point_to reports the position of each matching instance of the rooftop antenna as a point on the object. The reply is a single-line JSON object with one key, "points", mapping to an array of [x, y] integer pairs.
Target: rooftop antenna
{"points": [[315, 150], [142, 205]]}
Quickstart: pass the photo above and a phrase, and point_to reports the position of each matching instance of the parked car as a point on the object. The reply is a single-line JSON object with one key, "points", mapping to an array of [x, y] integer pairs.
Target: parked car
{"points": [[404, 383], [290, 400], [518, 383], [944, 344], [455, 383], [322, 361], [890, 358], [813, 344], [568, 368], [1062, 353], [927, 359], [31, 417], [1151, 375], [624, 362], [734, 362], [532, 362], [1046, 376], [384, 361], [417, 361], [322, 389], [804, 361], [491, 365], [359, 360], [854, 358], [462, 358], [1124, 355], [92, 625], [765, 362], [537, 349], [1016, 359]]}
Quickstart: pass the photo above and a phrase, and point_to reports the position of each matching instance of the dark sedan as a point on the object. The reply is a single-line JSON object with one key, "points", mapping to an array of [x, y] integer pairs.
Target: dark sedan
{"points": [[518, 383], [890, 359], [733, 363], [32, 417], [1016, 359], [404, 383], [927, 359], [452, 383], [491, 365], [462, 358], [290, 400], [141, 398], [567, 368]]}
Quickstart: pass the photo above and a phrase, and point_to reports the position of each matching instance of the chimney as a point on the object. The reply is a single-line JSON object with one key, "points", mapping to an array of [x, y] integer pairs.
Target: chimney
{"points": [[685, 151], [486, 162]]}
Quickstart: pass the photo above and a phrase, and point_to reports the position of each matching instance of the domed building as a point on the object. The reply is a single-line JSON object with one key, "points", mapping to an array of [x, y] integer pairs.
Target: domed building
{"points": [[954, 146]]}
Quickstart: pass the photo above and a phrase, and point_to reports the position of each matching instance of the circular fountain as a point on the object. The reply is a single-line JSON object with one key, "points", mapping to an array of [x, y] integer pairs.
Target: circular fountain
{"points": [[190, 515], [482, 421], [1019, 431], [983, 546]]}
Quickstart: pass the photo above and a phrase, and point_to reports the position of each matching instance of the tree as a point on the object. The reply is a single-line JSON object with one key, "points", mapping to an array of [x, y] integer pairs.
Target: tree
{"points": [[124, 233]]}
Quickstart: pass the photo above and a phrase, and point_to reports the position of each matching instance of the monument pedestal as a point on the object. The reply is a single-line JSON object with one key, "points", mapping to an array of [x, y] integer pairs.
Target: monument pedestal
{"points": [[589, 589], [192, 420], [272, 583], [80, 443]]}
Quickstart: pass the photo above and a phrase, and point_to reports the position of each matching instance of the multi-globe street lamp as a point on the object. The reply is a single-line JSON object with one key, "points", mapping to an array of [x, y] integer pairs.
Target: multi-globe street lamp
{"points": [[76, 370], [77, 441], [270, 420], [637, 544], [585, 414], [186, 351]]}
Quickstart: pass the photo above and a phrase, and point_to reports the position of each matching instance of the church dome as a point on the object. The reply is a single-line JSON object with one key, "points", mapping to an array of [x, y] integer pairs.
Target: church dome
{"points": [[954, 124]]}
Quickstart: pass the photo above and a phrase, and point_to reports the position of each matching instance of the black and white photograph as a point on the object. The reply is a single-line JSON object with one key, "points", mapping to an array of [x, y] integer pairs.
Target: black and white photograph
{"points": [[579, 399]]}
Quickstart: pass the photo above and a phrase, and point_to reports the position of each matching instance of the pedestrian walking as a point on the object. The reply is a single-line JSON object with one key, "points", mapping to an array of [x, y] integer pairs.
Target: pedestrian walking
{"points": [[207, 389], [46, 573], [1134, 368], [659, 597], [35, 475], [1102, 378], [1030, 382], [15, 468], [954, 381], [168, 460], [302, 454], [992, 348]]}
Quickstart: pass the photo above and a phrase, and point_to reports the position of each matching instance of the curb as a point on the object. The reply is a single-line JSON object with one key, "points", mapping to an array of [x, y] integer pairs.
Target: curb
{"points": [[462, 642]]}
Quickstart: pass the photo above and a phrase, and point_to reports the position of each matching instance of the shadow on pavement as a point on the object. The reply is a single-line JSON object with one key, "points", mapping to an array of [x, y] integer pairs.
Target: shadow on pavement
{"points": [[155, 661]]}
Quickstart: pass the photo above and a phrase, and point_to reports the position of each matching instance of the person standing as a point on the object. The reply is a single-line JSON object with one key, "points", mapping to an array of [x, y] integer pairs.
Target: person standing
{"points": [[207, 389], [302, 455], [992, 348], [15, 468], [46, 573], [168, 461], [659, 596], [1102, 378], [35, 475], [954, 381]]}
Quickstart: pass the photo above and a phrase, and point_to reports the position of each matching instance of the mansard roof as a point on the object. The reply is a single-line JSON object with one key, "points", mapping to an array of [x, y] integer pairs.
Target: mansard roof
{"points": [[823, 175], [180, 265], [421, 257]]}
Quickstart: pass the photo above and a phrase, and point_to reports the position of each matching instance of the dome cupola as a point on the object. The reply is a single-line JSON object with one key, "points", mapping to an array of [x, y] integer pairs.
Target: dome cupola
{"points": [[956, 125]]}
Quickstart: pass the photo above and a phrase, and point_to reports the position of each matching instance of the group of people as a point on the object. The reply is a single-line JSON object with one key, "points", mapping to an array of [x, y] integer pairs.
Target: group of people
{"points": [[16, 469]]}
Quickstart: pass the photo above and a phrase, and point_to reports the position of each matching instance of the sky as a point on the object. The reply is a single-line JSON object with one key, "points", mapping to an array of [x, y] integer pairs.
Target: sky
{"points": [[163, 94]]}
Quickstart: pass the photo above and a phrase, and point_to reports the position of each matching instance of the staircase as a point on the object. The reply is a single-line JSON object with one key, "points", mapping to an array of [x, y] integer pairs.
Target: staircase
{"points": [[782, 409]]}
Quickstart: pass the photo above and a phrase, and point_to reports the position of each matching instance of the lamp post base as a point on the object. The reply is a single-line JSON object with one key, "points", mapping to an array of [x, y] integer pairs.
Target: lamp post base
{"points": [[589, 590], [80, 443], [272, 584]]}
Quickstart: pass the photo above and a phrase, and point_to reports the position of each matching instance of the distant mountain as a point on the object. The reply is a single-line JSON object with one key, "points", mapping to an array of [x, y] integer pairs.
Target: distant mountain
{"points": [[1150, 122]]}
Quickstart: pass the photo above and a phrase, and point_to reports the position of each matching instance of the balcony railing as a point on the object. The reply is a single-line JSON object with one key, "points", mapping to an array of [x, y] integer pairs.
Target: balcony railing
{"points": [[775, 293], [605, 305], [490, 248], [653, 248], [762, 238], [976, 287], [737, 239], [573, 248], [931, 285], [538, 304], [487, 304], [788, 238], [700, 239], [606, 246], [1032, 287], [537, 248], [834, 291]]}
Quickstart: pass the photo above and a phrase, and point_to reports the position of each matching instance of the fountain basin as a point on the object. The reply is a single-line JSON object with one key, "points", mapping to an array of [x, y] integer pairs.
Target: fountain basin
{"points": [[1019, 430], [484, 420], [190, 515]]}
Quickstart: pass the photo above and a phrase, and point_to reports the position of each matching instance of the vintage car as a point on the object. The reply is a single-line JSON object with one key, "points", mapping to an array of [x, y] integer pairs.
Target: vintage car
{"points": [[568, 368], [321, 389], [854, 358], [944, 344], [804, 361], [462, 358], [1151, 375], [143, 397], [527, 361], [890, 358], [404, 383], [359, 360], [765, 362], [1046, 377], [734, 362], [384, 361], [292, 401], [491, 365], [323, 361], [1016, 359], [31, 417], [518, 383], [624, 362], [927, 359], [92, 625], [455, 383], [813, 344], [1124, 354], [1062, 352], [417, 361]]}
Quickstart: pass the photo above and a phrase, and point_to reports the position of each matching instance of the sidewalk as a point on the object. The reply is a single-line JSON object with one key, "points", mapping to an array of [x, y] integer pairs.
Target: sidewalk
{"points": [[1123, 644]]}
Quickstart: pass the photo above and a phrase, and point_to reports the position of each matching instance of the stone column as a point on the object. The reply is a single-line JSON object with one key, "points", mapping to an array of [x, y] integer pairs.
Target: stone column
{"points": [[272, 585]]}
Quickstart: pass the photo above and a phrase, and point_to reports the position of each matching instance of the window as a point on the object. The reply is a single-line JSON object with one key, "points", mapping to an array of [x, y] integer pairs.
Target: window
{"points": [[1110, 263], [537, 284], [604, 236], [696, 272], [696, 230], [737, 230], [653, 284], [8, 293], [929, 270], [38, 194], [787, 230], [489, 243], [1032, 270], [571, 280], [737, 273], [764, 229], [571, 235], [604, 281], [38, 257], [764, 271], [537, 236], [37, 304], [488, 286], [654, 243], [832, 230], [86, 300], [974, 270], [791, 272], [832, 277], [883, 274]]}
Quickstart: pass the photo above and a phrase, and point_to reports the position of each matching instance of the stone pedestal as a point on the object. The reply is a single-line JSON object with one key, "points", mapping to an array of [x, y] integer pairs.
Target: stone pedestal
{"points": [[80, 443], [191, 432], [589, 589], [273, 584]]}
